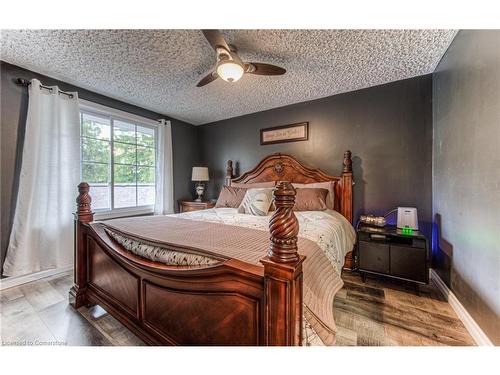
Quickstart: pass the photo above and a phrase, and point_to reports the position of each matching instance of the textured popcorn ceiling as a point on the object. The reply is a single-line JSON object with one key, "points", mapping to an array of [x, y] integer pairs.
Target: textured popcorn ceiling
{"points": [[159, 69]]}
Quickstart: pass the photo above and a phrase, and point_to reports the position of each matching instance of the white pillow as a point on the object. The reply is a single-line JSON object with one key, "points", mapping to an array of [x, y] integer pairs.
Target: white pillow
{"points": [[256, 202]]}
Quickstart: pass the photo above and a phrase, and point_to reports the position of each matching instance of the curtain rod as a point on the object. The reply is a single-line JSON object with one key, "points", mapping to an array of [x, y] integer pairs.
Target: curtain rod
{"points": [[26, 83]]}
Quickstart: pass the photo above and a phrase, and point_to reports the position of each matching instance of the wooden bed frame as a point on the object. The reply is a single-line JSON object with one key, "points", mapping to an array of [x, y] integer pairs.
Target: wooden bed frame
{"points": [[229, 303]]}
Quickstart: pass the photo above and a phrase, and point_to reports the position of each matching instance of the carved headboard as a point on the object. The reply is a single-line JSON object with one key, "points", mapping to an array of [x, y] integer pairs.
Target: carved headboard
{"points": [[284, 167]]}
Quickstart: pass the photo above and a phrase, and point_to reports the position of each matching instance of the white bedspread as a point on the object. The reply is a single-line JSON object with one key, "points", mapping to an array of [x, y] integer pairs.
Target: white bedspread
{"points": [[329, 229]]}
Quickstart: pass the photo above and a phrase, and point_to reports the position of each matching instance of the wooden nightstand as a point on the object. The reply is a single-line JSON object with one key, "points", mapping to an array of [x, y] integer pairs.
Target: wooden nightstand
{"points": [[388, 251], [186, 206]]}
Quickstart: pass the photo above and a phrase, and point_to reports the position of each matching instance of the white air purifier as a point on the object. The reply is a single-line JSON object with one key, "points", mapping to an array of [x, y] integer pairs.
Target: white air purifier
{"points": [[407, 218]]}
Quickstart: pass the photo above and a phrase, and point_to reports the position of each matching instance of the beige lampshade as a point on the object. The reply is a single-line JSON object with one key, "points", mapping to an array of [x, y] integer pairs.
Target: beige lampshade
{"points": [[199, 174]]}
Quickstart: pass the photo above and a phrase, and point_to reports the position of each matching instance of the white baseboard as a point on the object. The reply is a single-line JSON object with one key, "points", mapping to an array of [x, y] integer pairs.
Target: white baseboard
{"points": [[470, 324], [10, 282]]}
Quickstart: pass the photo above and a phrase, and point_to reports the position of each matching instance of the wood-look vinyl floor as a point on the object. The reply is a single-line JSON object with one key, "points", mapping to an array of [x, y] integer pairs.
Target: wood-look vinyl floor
{"points": [[378, 312], [38, 313], [389, 312]]}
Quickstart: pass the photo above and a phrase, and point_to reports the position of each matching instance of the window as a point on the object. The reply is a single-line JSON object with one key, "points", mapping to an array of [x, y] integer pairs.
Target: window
{"points": [[118, 160]]}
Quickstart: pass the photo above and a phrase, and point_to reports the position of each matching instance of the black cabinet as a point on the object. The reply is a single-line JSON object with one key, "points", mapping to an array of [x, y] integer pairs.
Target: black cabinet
{"points": [[390, 252]]}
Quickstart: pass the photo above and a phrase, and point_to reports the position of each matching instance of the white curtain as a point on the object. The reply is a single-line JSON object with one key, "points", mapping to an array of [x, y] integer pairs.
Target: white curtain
{"points": [[164, 203], [42, 231]]}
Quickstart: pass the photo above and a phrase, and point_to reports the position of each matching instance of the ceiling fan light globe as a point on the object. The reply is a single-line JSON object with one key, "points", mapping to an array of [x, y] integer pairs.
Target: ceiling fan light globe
{"points": [[230, 71]]}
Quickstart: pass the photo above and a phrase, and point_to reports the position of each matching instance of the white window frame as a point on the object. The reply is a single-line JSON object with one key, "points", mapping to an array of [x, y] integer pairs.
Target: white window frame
{"points": [[112, 113]]}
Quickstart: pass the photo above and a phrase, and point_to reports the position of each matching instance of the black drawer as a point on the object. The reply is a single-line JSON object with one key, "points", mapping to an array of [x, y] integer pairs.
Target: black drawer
{"points": [[408, 262], [374, 257]]}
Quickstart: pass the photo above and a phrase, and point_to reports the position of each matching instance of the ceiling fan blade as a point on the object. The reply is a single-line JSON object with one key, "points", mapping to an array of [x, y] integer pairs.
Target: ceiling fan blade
{"points": [[264, 69], [216, 39], [207, 79]]}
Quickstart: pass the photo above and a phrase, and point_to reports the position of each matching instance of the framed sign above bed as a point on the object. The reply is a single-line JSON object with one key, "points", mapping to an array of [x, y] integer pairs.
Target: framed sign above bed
{"points": [[285, 133]]}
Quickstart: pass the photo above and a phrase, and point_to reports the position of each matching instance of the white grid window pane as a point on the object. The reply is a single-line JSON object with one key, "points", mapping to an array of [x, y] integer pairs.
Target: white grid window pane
{"points": [[95, 126], [125, 186], [100, 196], [125, 195], [124, 132], [145, 194], [145, 136], [126, 149]]}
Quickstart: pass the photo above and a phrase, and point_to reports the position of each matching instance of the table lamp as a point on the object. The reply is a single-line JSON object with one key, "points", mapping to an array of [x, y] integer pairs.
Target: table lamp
{"points": [[199, 175]]}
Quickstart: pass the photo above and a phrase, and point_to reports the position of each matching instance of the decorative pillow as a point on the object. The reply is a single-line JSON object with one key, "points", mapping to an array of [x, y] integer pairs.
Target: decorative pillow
{"points": [[256, 185], [256, 202], [329, 185], [230, 197], [310, 199]]}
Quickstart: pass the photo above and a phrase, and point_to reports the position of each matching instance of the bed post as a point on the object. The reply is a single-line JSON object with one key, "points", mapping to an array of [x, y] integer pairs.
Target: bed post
{"points": [[83, 215], [283, 273], [229, 173], [346, 206]]}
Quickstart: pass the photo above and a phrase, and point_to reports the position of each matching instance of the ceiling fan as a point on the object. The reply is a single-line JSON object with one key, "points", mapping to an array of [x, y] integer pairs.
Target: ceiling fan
{"points": [[229, 66]]}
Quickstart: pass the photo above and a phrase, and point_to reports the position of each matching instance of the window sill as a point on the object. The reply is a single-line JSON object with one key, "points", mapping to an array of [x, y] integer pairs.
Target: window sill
{"points": [[125, 212]]}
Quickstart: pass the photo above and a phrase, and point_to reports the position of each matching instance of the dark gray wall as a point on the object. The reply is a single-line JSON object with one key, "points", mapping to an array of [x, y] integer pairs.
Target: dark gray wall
{"points": [[388, 128], [466, 178], [14, 105]]}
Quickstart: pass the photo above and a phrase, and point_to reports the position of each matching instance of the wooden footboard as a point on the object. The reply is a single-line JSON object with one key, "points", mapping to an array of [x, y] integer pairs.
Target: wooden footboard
{"points": [[228, 303]]}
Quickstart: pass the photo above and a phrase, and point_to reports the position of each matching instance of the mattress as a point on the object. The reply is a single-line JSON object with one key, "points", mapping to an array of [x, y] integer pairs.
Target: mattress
{"points": [[329, 229]]}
